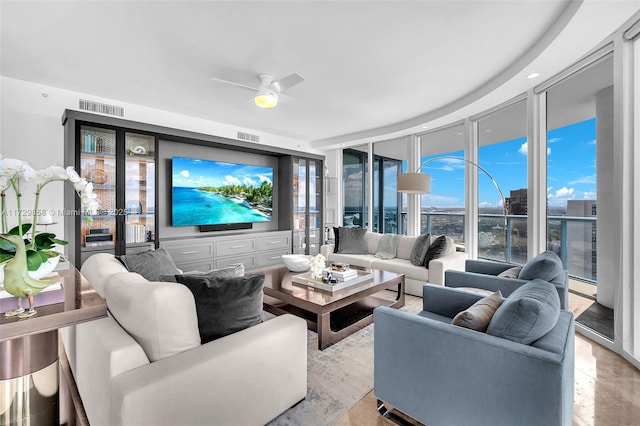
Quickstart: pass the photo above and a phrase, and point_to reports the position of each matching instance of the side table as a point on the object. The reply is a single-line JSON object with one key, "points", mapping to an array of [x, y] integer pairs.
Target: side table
{"points": [[29, 380]]}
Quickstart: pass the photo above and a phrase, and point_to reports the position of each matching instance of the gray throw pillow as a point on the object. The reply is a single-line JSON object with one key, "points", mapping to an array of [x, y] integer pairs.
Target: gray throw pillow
{"points": [[478, 316], [529, 313], [352, 241], [511, 272], [231, 271], [440, 247], [546, 266], [387, 246], [225, 305], [150, 264], [419, 250]]}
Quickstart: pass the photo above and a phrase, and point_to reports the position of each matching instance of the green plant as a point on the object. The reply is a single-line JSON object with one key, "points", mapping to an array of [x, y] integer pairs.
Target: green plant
{"points": [[13, 175]]}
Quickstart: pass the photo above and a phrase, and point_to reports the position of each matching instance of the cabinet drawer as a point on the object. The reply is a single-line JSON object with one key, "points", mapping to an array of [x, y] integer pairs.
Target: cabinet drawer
{"points": [[190, 252], [239, 246], [272, 257], [199, 265], [249, 261], [274, 242]]}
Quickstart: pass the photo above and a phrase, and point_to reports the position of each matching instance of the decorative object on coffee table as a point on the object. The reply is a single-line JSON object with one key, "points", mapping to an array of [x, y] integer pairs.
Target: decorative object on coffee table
{"points": [[296, 262], [317, 264]]}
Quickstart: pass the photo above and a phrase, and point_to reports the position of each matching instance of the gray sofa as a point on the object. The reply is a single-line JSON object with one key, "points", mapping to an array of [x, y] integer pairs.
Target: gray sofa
{"points": [[144, 364], [415, 276], [442, 374]]}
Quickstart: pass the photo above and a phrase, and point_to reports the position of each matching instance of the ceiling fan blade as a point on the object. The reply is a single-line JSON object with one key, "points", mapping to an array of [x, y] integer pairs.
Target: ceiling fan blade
{"points": [[233, 83], [289, 81]]}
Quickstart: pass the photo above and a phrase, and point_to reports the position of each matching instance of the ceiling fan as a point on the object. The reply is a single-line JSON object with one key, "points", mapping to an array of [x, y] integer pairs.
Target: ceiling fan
{"points": [[269, 89]]}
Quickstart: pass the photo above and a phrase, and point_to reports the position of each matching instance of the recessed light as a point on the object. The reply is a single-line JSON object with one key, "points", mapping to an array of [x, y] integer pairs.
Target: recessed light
{"points": [[488, 130], [534, 75], [45, 95]]}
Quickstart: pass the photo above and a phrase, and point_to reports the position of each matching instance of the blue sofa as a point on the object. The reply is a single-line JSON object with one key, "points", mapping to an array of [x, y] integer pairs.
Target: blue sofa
{"points": [[441, 374], [484, 274]]}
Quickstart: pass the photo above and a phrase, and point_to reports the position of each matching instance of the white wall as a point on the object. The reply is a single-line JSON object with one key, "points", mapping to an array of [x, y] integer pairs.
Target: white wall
{"points": [[31, 130]]}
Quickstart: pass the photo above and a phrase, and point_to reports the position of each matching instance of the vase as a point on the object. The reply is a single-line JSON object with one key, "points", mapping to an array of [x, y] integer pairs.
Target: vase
{"points": [[45, 269], [316, 273]]}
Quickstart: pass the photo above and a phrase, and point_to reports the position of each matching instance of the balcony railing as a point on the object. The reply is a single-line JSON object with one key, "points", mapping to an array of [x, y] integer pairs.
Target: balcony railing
{"points": [[573, 239]]}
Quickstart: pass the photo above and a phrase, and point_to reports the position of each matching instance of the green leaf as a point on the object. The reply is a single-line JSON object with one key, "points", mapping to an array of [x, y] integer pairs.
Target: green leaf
{"points": [[16, 230], [6, 246], [60, 242], [35, 259]]}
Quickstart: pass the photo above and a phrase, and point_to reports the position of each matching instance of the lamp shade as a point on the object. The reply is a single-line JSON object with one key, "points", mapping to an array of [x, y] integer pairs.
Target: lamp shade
{"points": [[414, 183], [266, 98]]}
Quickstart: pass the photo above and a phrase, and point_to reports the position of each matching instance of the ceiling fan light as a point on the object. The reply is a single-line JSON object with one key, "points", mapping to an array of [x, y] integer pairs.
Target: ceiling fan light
{"points": [[266, 99]]}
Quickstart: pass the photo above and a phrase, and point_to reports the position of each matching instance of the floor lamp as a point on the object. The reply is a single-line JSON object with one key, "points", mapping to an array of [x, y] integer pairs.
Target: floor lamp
{"points": [[420, 183]]}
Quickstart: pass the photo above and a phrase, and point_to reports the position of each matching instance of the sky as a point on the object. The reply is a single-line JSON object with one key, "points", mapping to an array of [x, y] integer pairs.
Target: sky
{"points": [[571, 171], [193, 173]]}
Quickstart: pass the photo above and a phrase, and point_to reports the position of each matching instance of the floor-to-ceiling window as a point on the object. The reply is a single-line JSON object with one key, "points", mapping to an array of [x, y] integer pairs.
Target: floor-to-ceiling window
{"points": [[579, 181], [443, 208], [502, 151], [384, 203], [354, 181]]}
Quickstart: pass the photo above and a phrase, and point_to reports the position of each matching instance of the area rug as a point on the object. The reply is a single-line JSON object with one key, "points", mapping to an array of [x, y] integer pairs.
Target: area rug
{"points": [[338, 377]]}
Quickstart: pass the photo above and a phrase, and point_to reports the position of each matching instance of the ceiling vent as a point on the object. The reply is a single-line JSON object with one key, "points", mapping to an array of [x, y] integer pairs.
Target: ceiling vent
{"points": [[101, 108], [248, 137]]}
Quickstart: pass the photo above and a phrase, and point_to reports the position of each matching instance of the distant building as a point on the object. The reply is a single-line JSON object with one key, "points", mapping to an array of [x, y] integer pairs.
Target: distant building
{"points": [[581, 239], [516, 203]]}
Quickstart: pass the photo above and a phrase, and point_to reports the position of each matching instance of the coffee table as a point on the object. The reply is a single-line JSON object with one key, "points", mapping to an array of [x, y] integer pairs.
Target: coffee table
{"points": [[336, 315]]}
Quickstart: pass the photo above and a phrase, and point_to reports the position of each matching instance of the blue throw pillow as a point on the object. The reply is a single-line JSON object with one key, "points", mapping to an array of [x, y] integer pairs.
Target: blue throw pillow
{"points": [[527, 314], [546, 266]]}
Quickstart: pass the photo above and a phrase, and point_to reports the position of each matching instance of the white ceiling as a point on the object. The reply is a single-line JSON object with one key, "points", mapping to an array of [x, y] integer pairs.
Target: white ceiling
{"points": [[373, 69]]}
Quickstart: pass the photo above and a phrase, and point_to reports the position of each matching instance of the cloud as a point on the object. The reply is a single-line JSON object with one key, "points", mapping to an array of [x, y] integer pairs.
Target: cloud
{"points": [[248, 181], [593, 142], [447, 164], [563, 193], [589, 195], [584, 179], [554, 140], [524, 149], [185, 173], [231, 180], [264, 178], [560, 196]]}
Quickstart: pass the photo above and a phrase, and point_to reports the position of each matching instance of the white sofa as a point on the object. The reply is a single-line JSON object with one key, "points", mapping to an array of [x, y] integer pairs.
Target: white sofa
{"points": [[156, 372], [415, 276]]}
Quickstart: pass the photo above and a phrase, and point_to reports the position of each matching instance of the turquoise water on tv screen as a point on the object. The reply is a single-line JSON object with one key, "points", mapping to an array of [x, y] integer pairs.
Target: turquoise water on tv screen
{"points": [[192, 206]]}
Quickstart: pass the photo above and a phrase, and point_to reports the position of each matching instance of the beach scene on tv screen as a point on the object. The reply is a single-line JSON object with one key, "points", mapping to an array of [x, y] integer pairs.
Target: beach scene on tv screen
{"points": [[206, 192]]}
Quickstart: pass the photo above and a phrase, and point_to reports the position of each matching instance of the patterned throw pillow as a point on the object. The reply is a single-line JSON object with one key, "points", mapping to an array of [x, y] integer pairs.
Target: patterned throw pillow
{"points": [[419, 250], [440, 247]]}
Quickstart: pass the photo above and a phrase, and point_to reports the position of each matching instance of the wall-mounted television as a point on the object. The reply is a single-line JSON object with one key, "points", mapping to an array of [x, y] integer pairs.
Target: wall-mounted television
{"points": [[206, 192]]}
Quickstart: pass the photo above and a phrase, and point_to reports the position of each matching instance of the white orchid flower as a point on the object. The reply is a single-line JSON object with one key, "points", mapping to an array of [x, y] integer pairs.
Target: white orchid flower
{"points": [[72, 175], [12, 168]]}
